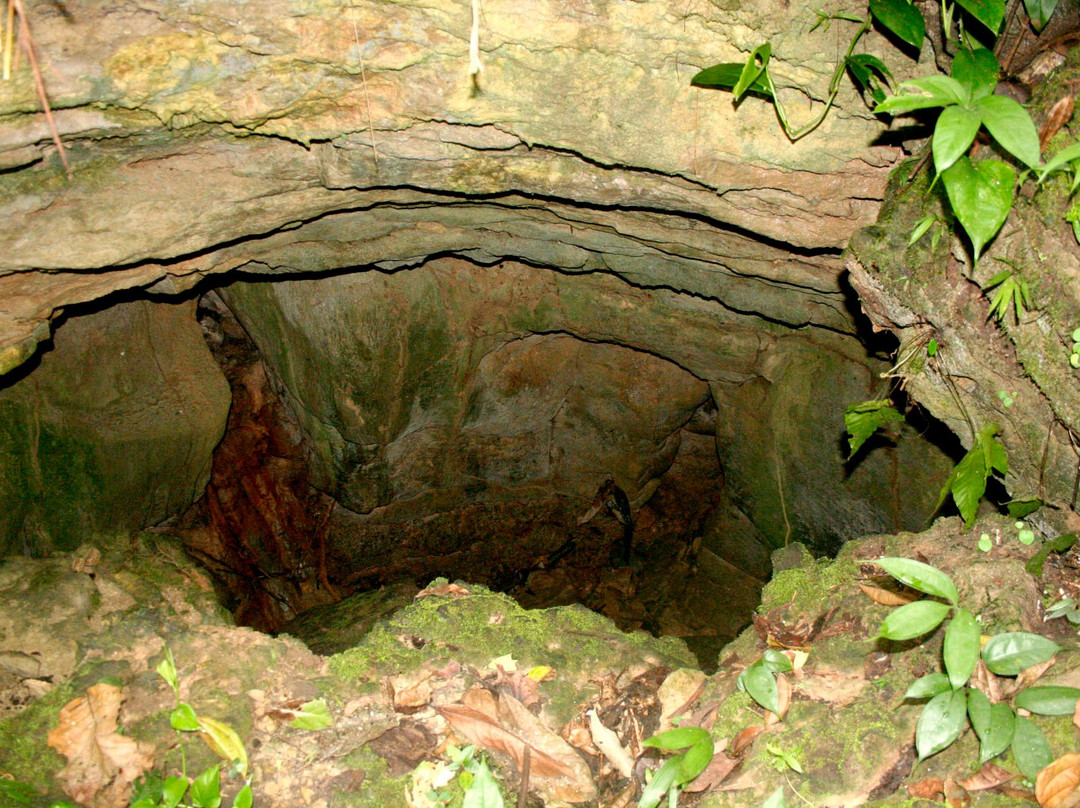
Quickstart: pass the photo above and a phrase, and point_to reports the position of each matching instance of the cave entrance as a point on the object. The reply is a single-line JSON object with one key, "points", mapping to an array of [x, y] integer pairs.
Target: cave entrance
{"points": [[288, 557]]}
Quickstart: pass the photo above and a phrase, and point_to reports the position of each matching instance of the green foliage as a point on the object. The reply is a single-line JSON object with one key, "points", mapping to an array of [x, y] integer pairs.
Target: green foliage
{"points": [[205, 790], [967, 481], [1065, 607], [865, 418], [1039, 12], [1058, 545], [312, 715], [784, 759], [759, 679], [475, 778], [952, 703], [1012, 293], [680, 769]]}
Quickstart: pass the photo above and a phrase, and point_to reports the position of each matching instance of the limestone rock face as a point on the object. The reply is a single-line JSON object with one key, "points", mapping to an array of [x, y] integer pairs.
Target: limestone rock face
{"points": [[114, 431]]}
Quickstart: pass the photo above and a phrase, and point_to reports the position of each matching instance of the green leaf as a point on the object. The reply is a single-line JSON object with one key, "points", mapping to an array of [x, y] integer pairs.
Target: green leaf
{"points": [[902, 18], [981, 195], [920, 228], [679, 738], [312, 715], [1030, 748], [1059, 160], [978, 708], [868, 72], [941, 723], [989, 12], [924, 93], [1010, 653], [206, 788], [755, 65], [919, 576], [244, 797], [928, 686], [978, 69], [961, 650], [1011, 126], [953, 135], [967, 481], [1019, 508], [776, 661], [483, 792], [913, 620], [173, 791], [775, 800], [1040, 12], [663, 780], [1048, 699], [725, 76], [760, 684], [183, 718], [999, 732], [695, 760], [223, 739], [167, 670], [1058, 545], [865, 418]]}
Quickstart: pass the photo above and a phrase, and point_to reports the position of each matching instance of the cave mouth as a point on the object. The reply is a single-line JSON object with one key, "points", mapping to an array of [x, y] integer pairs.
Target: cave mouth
{"points": [[283, 554]]}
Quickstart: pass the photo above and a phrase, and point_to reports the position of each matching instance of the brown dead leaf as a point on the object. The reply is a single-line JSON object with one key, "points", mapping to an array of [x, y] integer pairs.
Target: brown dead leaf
{"points": [[990, 685], [481, 700], [927, 789], [715, 773], [102, 765], [404, 746], [410, 691], [1056, 118], [1028, 676], [741, 742], [888, 597], [446, 590], [989, 776], [956, 796], [477, 728], [1058, 785]]}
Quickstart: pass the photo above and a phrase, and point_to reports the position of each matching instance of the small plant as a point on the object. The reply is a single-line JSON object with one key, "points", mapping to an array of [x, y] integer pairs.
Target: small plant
{"points": [[967, 481], [474, 777], [1065, 607], [205, 790], [952, 702], [1074, 357], [865, 418], [679, 770], [1012, 293], [759, 680]]}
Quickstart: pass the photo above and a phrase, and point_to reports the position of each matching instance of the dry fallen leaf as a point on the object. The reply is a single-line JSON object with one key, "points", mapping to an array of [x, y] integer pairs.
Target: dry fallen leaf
{"points": [[887, 597], [743, 740], [1056, 118], [715, 773], [927, 789], [102, 765], [955, 794], [446, 590], [989, 776], [476, 727], [1058, 785]]}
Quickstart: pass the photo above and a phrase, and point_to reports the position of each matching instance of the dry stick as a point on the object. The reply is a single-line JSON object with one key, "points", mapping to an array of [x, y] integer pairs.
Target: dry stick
{"points": [[367, 97], [780, 488], [28, 46], [526, 765]]}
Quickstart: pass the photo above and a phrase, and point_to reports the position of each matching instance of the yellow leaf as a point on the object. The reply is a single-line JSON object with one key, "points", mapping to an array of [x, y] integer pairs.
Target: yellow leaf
{"points": [[224, 741], [540, 672]]}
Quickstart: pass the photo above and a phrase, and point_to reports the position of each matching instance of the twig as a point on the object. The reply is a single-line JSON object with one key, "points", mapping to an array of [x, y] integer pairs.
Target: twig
{"points": [[526, 765], [780, 488], [367, 97], [28, 45]]}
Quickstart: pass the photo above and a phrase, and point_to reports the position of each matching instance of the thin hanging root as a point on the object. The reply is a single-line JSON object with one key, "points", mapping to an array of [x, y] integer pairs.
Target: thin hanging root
{"points": [[367, 98], [16, 7], [9, 40], [475, 65]]}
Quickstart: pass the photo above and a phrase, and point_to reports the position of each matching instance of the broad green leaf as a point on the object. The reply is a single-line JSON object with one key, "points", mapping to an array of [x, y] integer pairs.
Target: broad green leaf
{"points": [[961, 650], [913, 620], [1058, 545], [978, 708], [981, 195], [183, 718], [902, 18], [920, 228], [953, 135], [678, 738], [865, 418], [1000, 733], [1030, 748], [752, 70], [761, 685], [928, 686], [1020, 508], [173, 791], [225, 742], [483, 792], [978, 69], [941, 723], [1048, 699], [776, 661], [312, 715], [919, 576], [1040, 12], [989, 12], [243, 797], [1059, 160], [725, 76], [1011, 126], [924, 93], [206, 788], [663, 780], [775, 800], [145, 802], [695, 760], [1008, 654]]}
